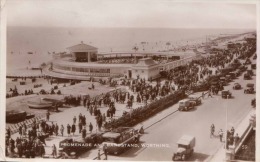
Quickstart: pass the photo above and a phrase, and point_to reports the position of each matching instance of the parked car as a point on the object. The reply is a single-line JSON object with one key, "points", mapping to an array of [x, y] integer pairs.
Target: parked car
{"points": [[223, 81], [185, 105], [242, 68], [237, 72], [228, 78], [249, 88], [237, 86], [195, 100], [226, 94], [233, 75], [247, 76]]}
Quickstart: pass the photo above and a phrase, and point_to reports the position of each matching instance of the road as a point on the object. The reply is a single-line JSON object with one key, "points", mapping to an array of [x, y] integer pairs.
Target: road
{"points": [[196, 122]]}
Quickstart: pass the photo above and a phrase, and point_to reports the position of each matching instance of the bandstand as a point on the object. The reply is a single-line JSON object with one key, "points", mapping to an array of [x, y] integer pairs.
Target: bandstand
{"points": [[84, 62], [83, 52]]}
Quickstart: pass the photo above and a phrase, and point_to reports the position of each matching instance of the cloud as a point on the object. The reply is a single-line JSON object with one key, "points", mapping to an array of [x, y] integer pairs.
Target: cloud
{"points": [[130, 13]]}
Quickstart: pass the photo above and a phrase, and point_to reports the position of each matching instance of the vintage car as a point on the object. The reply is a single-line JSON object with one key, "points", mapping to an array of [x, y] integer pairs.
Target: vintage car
{"points": [[226, 94], [185, 105], [185, 148], [223, 81], [253, 103], [121, 139], [242, 68], [232, 75], [237, 72], [247, 76], [22, 83], [249, 89], [195, 100], [237, 86], [75, 146], [228, 78]]}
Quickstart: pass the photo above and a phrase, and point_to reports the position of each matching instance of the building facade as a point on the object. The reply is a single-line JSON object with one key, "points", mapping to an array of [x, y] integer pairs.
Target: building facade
{"points": [[81, 64]]}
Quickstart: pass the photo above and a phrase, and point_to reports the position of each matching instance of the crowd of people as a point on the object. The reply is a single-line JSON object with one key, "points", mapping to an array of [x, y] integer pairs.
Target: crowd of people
{"points": [[29, 143], [133, 60], [231, 138]]}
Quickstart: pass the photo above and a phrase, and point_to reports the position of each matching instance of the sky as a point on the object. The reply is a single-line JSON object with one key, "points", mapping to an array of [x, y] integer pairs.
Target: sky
{"points": [[131, 13]]}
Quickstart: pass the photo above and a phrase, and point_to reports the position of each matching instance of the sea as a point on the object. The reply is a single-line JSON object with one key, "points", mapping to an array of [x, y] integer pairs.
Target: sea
{"points": [[43, 41]]}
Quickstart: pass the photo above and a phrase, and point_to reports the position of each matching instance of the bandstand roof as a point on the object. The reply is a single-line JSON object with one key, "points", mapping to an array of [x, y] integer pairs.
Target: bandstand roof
{"points": [[81, 48]]}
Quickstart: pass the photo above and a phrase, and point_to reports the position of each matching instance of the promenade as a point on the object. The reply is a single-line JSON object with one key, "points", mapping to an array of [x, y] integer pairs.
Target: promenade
{"points": [[220, 155]]}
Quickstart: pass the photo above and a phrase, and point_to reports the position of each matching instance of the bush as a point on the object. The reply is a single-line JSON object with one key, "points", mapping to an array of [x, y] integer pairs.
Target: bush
{"points": [[142, 113]]}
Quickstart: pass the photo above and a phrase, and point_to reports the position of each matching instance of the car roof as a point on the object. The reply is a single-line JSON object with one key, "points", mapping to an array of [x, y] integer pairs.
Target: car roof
{"points": [[111, 135], [184, 100], [250, 85], [185, 139]]}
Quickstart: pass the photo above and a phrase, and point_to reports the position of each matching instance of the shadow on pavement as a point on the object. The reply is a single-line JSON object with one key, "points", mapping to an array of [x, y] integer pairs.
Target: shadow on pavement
{"points": [[132, 152], [198, 156]]}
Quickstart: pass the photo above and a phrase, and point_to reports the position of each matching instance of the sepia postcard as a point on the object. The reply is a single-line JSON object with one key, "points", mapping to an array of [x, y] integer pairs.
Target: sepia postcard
{"points": [[146, 80]]}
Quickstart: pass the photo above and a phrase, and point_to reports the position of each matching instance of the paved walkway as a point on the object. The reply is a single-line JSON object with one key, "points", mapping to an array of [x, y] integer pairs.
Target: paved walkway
{"points": [[240, 129]]}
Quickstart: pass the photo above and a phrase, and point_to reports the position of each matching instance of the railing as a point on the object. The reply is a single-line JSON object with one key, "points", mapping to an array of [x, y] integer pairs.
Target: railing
{"points": [[242, 138]]}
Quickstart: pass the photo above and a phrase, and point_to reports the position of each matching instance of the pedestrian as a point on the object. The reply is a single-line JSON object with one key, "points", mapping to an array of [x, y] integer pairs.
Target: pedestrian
{"points": [[80, 127], [41, 150], [73, 129], [202, 95], [209, 94], [105, 150], [84, 132], [220, 133], [56, 129], [236, 139], [232, 131], [98, 157], [90, 127], [68, 129], [61, 130], [48, 115], [54, 151], [212, 130], [20, 130], [74, 120], [8, 132]]}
